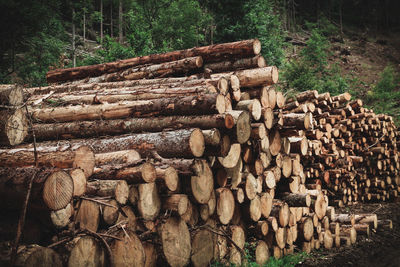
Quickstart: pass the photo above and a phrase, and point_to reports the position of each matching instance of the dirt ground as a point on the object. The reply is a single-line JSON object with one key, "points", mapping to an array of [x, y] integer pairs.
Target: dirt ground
{"points": [[381, 249]]}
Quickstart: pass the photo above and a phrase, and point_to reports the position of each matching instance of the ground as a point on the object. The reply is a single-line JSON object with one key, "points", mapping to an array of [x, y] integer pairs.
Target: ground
{"points": [[381, 249]]}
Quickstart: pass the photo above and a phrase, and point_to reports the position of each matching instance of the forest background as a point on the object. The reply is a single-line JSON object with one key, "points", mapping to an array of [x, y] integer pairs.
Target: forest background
{"points": [[330, 45]]}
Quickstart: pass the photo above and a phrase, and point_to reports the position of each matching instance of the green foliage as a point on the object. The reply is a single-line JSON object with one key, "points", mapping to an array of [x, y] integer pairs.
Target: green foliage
{"points": [[44, 50], [112, 50], [385, 95], [312, 71], [261, 22], [249, 259], [316, 51]]}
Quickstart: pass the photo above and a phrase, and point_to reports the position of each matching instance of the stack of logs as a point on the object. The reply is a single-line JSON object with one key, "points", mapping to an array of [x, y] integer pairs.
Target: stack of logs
{"points": [[183, 157]]}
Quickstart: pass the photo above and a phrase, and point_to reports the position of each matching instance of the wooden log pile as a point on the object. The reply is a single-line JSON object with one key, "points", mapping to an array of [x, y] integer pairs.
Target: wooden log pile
{"points": [[182, 157]]}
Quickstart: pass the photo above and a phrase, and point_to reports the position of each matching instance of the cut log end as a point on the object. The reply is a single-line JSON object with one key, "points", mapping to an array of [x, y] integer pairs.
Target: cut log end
{"points": [[197, 143], [58, 190]]}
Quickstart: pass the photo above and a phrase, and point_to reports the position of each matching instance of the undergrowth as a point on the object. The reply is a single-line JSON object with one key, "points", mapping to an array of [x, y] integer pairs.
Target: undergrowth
{"points": [[250, 259]]}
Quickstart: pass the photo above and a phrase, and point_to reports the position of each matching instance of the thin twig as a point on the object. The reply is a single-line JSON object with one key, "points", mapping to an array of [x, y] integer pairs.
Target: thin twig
{"points": [[99, 202], [209, 228]]}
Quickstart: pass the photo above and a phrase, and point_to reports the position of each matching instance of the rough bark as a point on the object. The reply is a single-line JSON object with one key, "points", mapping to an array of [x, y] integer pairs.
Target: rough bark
{"points": [[187, 105], [208, 53]]}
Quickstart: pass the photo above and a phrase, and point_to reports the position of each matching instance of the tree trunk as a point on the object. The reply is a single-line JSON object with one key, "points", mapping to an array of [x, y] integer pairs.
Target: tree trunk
{"points": [[101, 23], [191, 105], [68, 130], [73, 39], [117, 157], [209, 54], [120, 23], [225, 205]]}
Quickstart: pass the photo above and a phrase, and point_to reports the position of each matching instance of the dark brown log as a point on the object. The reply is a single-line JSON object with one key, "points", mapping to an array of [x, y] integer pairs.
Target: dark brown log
{"points": [[177, 203], [297, 200], [236, 64], [216, 52], [166, 69], [189, 105], [275, 142], [35, 255], [281, 211]]}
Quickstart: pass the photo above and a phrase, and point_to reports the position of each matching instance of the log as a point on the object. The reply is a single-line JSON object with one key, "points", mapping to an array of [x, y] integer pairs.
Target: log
{"points": [[110, 213], [117, 189], [49, 156], [302, 121], [13, 127], [35, 255], [128, 250], [88, 215], [306, 229], [127, 218], [181, 143], [275, 142], [11, 95], [135, 173], [58, 190], [151, 254], [232, 159], [177, 203], [61, 218], [68, 130], [79, 180], [253, 106], [87, 251], [281, 211], [149, 203], [208, 53], [236, 64], [242, 130], [262, 253], [171, 68], [176, 243], [117, 157], [187, 105], [253, 77], [114, 95], [169, 176], [202, 248], [225, 205], [297, 200]]}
